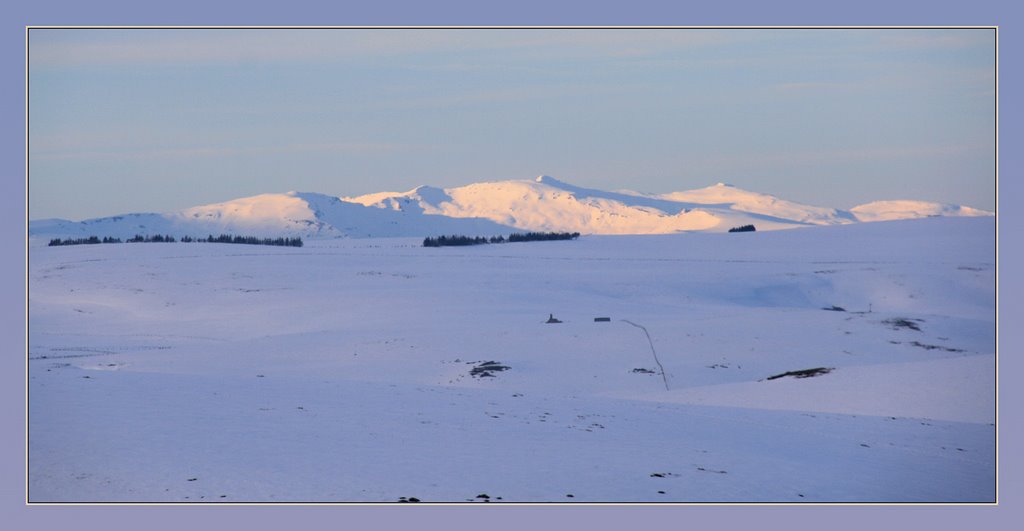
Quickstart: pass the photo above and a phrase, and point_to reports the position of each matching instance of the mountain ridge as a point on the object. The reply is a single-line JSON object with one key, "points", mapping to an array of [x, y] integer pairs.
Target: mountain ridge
{"points": [[496, 207]]}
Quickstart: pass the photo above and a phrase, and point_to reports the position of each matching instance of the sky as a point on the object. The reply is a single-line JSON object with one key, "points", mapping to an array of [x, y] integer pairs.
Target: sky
{"points": [[156, 120]]}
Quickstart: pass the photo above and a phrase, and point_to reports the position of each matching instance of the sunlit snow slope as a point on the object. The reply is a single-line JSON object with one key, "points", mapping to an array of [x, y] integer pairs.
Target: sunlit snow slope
{"points": [[892, 210], [490, 208]]}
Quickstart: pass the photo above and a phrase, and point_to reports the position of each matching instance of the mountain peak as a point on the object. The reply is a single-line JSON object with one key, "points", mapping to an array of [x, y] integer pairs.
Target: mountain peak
{"points": [[727, 185], [432, 194], [548, 180]]}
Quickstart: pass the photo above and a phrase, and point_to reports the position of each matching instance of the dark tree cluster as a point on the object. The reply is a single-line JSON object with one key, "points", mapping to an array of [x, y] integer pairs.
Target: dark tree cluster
{"points": [[743, 228], [83, 241], [454, 240], [251, 240], [542, 236], [138, 238], [161, 238]]}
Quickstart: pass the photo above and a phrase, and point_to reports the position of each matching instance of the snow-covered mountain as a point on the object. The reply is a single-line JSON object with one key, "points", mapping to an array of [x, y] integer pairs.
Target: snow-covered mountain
{"points": [[891, 210], [730, 197], [307, 215], [488, 208]]}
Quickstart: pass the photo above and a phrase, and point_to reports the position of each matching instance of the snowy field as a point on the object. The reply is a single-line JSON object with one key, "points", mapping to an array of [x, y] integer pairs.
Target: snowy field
{"points": [[356, 370]]}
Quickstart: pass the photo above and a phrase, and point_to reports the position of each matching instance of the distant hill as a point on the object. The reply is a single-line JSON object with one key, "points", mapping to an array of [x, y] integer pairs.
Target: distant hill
{"points": [[491, 208]]}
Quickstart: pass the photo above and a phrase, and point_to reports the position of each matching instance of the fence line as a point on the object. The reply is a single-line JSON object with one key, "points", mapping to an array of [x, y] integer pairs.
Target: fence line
{"points": [[663, 377]]}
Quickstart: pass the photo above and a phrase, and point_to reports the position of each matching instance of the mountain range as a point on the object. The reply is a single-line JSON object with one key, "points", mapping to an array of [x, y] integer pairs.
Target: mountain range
{"points": [[491, 208]]}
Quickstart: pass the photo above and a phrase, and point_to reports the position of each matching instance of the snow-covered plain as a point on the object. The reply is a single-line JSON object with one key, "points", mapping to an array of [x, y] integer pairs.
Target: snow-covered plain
{"points": [[343, 371]]}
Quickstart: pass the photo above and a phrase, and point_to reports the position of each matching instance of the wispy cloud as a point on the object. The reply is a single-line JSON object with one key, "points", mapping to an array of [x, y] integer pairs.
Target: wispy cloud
{"points": [[510, 95], [800, 86], [922, 77], [834, 157], [176, 47], [935, 39], [188, 152], [49, 48]]}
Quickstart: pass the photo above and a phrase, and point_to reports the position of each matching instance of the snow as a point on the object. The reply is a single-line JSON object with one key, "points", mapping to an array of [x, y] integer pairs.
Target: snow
{"points": [[488, 209], [893, 210], [548, 204], [340, 371], [887, 389], [258, 214], [740, 200]]}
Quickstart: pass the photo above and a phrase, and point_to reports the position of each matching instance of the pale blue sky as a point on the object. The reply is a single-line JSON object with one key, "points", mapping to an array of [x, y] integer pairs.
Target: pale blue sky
{"points": [[157, 120]]}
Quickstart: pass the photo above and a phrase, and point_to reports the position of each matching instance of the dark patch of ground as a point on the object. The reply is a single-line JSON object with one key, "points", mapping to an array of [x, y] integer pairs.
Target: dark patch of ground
{"points": [[487, 369], [934, 347], [901, 322], [805, 373]]}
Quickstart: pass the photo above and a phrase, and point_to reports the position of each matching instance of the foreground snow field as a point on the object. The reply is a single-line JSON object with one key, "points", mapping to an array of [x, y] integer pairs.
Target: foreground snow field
{"points": [[356, 370]]}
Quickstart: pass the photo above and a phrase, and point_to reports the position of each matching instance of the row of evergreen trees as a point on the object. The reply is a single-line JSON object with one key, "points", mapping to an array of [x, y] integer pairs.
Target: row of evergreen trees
{"points": [[138, 238], [455, 240], [542, 236], [743, 228], [250, 240], [444, 241], [161, 238], [83, 241]]}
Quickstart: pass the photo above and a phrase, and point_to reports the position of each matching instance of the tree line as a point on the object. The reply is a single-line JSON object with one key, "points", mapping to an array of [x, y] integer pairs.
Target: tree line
{"points": [[457, 240], [743, 228], [138, 238], [249, 240], [83, 241], [163, 238]]}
